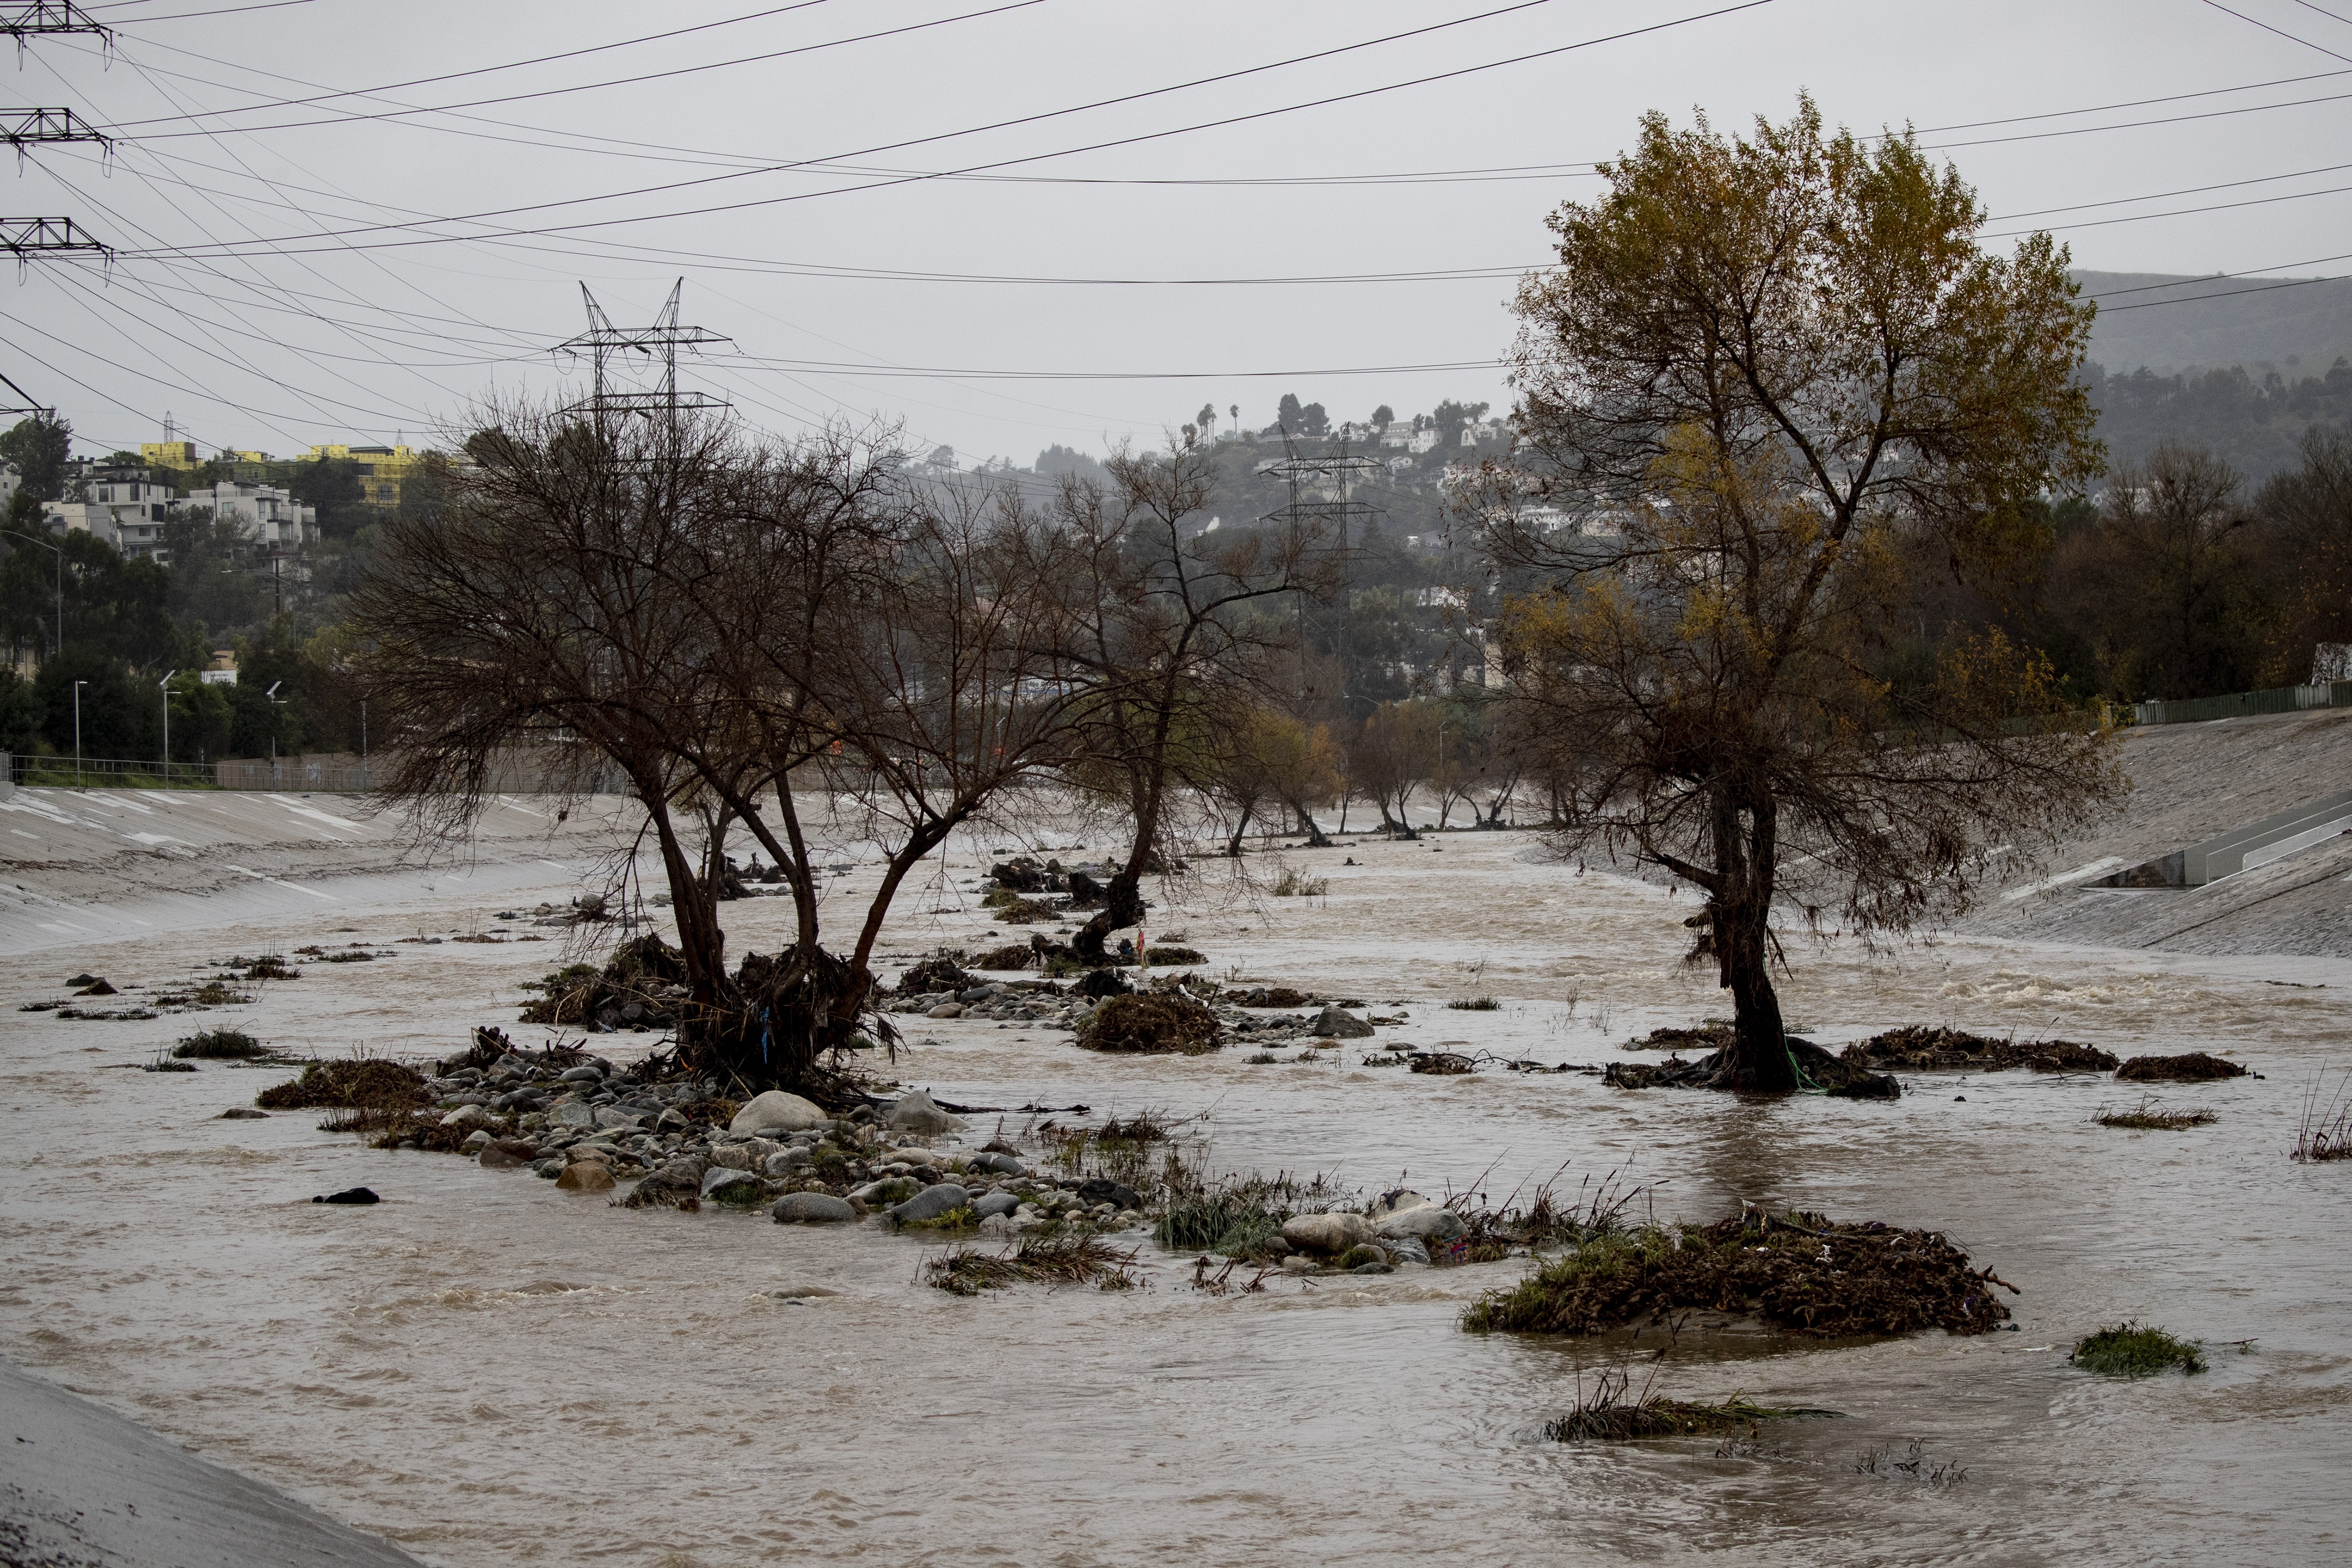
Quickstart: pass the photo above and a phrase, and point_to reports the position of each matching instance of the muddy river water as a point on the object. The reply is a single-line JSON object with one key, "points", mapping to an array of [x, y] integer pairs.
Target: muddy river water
{"points": [[489, 1370]]}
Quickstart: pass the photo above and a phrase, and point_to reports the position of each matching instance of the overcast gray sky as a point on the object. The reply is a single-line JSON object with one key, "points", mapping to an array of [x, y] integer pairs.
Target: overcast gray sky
{"points": [[340, 268]]}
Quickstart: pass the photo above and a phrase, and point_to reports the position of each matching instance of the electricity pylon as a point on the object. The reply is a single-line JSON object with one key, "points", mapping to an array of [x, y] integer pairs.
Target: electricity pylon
{"points": [[1332, 510], [604, 342]]}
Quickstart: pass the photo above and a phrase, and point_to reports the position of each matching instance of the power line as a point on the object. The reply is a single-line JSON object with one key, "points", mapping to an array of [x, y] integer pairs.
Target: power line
{"points": [[999, 164], [2279, 32]]}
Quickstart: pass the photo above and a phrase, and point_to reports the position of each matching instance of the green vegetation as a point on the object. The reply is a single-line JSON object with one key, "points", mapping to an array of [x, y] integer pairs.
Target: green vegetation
{"points": [[2129, 1351], [1293, 883]]}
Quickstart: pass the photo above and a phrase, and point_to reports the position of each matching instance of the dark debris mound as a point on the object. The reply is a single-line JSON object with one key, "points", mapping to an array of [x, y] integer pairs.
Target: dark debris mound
{"points": [[1173, 957], [1011, 956], [1923, 1046], [640, 986], [1706, 1037], [2194, 1067], [1160, 1023], [1799, 1273], [1055, 1260], [365, 1083], [1269, 996], [1841, 1077], [936, 974], [1612, 1413]]}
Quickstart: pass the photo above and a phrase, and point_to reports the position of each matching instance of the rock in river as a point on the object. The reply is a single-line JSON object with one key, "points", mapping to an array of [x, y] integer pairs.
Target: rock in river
{"points": [[718, 1181], [995, 1204], [812, 1208], [1103, 1189], [1326, 1232], [1338, 1024], [1429, 1222], [465, 1118], [930, 1203], [776, 1111], [585, 1176], [916, 1112]]}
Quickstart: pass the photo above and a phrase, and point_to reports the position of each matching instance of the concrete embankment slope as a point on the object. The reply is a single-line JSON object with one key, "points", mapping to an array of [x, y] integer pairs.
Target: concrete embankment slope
{"points": [[80, 866], [2191, 784], [82, 1487]]}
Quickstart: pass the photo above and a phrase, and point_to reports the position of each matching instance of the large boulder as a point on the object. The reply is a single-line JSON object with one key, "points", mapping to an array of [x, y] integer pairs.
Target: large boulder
{"points": [[776, 1111], [727, 1185], [1393, 1201], [1103, 1189], [574, 1117], [586, 1176], [995, 1204], [1327, 1233], [916, 1112], [812, 1208], [466, 1117], [1429, 1222], [888, 1191], [1338, 1024], [930, 1203]]}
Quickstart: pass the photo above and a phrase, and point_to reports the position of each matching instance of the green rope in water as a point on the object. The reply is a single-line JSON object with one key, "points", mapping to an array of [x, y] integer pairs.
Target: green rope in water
{"points": [[1805, 1085]]}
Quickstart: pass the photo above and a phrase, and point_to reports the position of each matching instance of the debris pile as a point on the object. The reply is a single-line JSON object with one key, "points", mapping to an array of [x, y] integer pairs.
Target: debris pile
{"points": [[1799, 1273], [2195, 1067], [1923, 1046], [1840, 1076]]}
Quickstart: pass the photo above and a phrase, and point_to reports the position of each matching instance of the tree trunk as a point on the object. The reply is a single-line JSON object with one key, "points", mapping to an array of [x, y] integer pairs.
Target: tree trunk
{"points": [[1760, 1062], [1315, 837], [1124, 907], [1234, 845], [1746, 851]]}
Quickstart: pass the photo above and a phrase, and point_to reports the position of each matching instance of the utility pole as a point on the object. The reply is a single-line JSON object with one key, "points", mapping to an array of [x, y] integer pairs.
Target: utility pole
{"points": [[78, 686], [166, 686]]}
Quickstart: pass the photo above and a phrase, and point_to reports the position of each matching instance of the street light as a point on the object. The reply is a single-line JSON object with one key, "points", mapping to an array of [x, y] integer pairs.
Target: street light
{"points": [[271, 698], [78, 686], [59, 639], [164, 686]]}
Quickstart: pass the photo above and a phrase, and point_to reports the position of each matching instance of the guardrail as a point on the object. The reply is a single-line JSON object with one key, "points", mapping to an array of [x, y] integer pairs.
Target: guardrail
{"points": [[104, 773], [2240, 704], [325, 774]]}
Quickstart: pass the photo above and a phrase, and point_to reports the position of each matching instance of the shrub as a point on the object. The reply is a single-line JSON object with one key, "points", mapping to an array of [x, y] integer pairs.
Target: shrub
{"points": [[1293, 883], [2129, 1351], [2193, 1067], [221, 1045]]}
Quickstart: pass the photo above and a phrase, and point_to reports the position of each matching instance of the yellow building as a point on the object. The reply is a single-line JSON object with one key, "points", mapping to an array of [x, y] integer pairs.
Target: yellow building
{"points": [[382, 469], [169, 454]]}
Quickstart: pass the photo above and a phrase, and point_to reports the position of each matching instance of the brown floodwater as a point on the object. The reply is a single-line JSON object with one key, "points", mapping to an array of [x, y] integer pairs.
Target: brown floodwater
{"points": [[490, 1371]]}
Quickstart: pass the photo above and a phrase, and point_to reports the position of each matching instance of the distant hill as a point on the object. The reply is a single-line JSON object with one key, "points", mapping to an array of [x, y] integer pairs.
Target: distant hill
{"points": [[2244, 373], [2296, 331]]}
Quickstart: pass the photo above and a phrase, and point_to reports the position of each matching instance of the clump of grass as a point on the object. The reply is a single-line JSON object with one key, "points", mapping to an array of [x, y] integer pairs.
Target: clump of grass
{"points": [[1019, 912], [1479, 1004], [2327, 1130], [221, 1045], [1173, 956], [2150, 1117], [162, 1063], [1291, 882], [1261, 1059], [1231, 1221], [349, 955], [1798, 1272], [1161, 1023], [1612, 1413], [961, 1218], [215, 993], [2128, 1350], [1068, 1259], [370, 1083], [268, 966]]}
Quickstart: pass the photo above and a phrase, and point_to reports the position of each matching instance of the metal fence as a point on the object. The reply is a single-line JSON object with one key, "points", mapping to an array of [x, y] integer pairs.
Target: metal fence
{"points": [[340, 773], [2243, 704]]}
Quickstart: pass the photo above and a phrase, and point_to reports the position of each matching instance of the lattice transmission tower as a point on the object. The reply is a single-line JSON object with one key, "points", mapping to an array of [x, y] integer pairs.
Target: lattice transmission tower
{"points": [[608, 346], [1321, 500]]}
